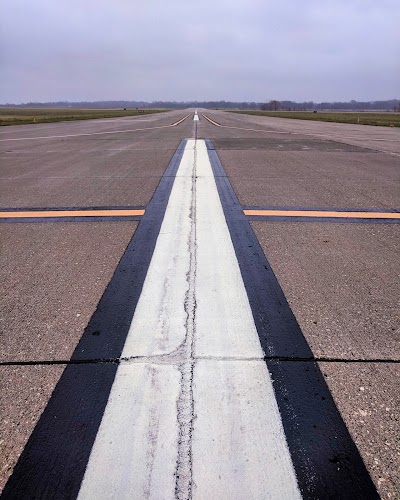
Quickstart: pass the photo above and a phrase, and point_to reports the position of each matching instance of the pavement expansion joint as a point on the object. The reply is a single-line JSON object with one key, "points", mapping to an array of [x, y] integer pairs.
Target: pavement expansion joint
{"points": [[176, 358]]}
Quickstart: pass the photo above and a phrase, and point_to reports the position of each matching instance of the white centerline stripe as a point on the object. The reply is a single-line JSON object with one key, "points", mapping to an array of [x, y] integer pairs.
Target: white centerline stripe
{"points": [[225, 325], [177, 426], [161, 307]]}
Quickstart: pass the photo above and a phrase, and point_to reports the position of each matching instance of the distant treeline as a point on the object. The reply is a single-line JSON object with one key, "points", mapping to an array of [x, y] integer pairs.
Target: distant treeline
{"points": [[272, 105], [141, 104]]}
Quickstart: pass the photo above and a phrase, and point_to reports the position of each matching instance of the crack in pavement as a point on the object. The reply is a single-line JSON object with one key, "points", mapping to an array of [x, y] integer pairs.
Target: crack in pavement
{"points": [[185, 403]]}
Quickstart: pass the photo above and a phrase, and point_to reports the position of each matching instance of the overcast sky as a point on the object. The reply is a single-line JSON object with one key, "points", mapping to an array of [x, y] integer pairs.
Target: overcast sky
{"points": [[245, 50]]}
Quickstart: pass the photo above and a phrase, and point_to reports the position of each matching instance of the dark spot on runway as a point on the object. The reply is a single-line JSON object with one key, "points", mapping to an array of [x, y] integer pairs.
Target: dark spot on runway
{"points": [[339, 459]]}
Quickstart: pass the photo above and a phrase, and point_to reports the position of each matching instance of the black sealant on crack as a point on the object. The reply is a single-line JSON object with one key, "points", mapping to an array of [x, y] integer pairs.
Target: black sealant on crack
{"points": [[185, 403]]}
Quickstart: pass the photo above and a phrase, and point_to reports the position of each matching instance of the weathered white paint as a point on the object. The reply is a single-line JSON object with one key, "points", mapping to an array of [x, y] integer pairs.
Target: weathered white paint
{"points": [[92, 133], [239, 447], [224, 321], [193, 399], [135, 452], [158, 326]]}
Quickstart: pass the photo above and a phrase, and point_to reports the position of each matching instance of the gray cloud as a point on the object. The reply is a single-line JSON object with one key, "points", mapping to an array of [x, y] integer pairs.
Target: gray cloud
{"points": [[181, 50]]}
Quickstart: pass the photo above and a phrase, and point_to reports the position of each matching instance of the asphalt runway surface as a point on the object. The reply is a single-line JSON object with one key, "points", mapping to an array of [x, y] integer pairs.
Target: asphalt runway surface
{"points": [[233, 284]]}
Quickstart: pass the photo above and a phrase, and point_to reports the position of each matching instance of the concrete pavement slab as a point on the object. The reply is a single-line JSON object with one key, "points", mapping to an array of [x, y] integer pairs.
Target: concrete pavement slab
{"points": [[368, 397], [314, 179], [105, 162], [305, 164], [53, 276], [316, 193], [342, 283], [84, 174], [285, 143], [24, 393], [77, 192]]}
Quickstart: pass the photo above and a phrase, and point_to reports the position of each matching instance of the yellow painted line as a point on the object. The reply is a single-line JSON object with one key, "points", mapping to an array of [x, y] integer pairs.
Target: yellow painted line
{"points": [[179, 121], [318, 213], [70, 213], [212, 121]]}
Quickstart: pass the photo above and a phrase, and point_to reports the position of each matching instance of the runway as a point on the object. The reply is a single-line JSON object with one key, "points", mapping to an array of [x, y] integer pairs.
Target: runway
{"points": [[200, 308]]}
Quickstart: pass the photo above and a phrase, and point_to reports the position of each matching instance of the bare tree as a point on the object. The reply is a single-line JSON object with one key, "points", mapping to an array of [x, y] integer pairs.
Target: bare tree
{"points": [[271, 106]]}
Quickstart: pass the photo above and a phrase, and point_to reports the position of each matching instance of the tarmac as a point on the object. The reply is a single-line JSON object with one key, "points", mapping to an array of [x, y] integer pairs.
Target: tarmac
{"points": [[340, 278]]}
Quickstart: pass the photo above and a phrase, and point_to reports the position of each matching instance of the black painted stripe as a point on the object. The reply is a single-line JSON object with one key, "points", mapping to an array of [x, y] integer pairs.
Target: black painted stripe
{"points": [[326, 460], [54, 460]]}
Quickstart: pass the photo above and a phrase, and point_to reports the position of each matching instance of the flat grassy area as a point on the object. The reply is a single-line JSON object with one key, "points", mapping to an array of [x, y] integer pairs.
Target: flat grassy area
{"points": [[381, 119], [23, 116]]}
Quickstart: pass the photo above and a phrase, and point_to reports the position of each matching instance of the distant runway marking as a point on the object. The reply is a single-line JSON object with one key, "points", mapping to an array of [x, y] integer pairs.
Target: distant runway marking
{"points": [[322, 214], [212, 121], [293, 133], [97, 133], [248, 129]]}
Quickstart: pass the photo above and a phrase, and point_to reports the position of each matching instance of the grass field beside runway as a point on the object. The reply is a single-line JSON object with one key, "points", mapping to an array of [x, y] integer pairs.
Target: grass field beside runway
{"points": [[25, 116], [381, 119]]}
